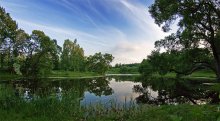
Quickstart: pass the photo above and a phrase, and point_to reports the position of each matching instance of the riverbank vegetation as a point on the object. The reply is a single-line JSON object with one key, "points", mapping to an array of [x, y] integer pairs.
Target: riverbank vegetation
{"points": [[50, 110]]}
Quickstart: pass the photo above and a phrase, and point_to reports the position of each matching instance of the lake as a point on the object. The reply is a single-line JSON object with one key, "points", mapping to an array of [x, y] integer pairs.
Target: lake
{"points": [[121, 90]]}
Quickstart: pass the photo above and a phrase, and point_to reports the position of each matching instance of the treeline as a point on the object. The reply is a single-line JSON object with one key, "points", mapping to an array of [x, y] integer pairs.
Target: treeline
{"points": [[37, 54], [125, 68]]}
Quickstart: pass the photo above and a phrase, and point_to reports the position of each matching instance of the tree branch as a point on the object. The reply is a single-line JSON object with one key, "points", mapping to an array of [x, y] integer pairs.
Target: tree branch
{"points": [[197, 66]]}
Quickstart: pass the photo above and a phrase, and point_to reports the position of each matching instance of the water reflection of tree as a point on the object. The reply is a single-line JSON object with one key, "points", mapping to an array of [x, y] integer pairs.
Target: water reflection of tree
{"points": [[171, 91], [99, 86], [46, 87]]}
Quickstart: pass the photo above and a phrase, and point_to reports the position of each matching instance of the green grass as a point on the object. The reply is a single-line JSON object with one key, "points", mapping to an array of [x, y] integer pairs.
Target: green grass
{"points": [[68, 110], [54, 74], [201, 75]]}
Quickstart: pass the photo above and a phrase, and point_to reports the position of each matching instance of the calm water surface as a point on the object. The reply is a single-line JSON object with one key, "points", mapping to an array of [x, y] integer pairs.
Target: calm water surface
{"points": [[121, 90], [88, 91]]}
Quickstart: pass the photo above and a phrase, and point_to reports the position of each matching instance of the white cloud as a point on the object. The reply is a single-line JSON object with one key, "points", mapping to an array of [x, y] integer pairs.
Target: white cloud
{"points": [[131, 52], [134, 48]]}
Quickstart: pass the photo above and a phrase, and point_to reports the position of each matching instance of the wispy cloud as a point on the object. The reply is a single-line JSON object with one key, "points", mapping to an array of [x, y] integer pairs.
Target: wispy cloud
{"points": [[61, 33], [121, 27], [134, 47]]}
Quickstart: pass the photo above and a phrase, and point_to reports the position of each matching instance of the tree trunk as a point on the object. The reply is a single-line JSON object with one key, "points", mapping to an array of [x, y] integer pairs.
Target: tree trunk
{"points": [[217, 46], [2, 61], [216, 53], [218, 68]]}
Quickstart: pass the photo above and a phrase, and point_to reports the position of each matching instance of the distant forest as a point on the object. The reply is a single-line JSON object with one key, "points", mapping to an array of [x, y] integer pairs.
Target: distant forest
{"points": [[125, 68]]}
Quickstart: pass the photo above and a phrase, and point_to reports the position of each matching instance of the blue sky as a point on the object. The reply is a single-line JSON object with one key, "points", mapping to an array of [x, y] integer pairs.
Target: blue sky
{"points": [[123, 28]]}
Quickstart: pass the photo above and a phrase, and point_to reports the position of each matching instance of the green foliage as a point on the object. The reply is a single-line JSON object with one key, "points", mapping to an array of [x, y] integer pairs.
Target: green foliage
{"points": [[71, 74], [39, 58], [72, 57], [37, 54], [99, 62], [8, 30], [128, 68], [198, 22], [182, 62], [145, 68], [124, 69], [17, 69]]}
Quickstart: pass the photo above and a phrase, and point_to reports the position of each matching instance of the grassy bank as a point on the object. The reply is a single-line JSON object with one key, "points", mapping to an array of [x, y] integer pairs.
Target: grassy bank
{"points": [[52, 110], [54, 74], [197, 74], [69, 74], [203, 74]]}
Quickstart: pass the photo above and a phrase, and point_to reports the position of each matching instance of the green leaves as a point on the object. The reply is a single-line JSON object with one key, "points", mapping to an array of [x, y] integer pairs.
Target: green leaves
{"points": [[199, 24], [99, 62], [40, 53], [72, 57], [182, 62]]}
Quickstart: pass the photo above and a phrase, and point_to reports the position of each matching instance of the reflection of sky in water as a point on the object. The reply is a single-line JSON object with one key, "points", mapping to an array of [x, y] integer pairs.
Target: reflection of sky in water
{"points": [[121, 91], [111, 91], [152, 94]]}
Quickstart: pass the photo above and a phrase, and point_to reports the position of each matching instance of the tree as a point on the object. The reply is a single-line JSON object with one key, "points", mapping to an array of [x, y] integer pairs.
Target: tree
{"points": [[8, 29], [99, 62], [179, 62], [40, 51], [75, 55], [56, 55], [72, 57], [198, 21]]}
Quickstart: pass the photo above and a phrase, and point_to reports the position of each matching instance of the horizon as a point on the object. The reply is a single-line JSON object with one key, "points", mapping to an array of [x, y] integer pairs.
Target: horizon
{"points": [[123, 28]]}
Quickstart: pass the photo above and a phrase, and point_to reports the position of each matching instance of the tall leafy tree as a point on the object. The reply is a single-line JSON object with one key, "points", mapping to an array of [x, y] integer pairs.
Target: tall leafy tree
{"points": [[8, 29], [56, 55], [198, 21], [39, 56], [99, 62], [72, 57]]}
